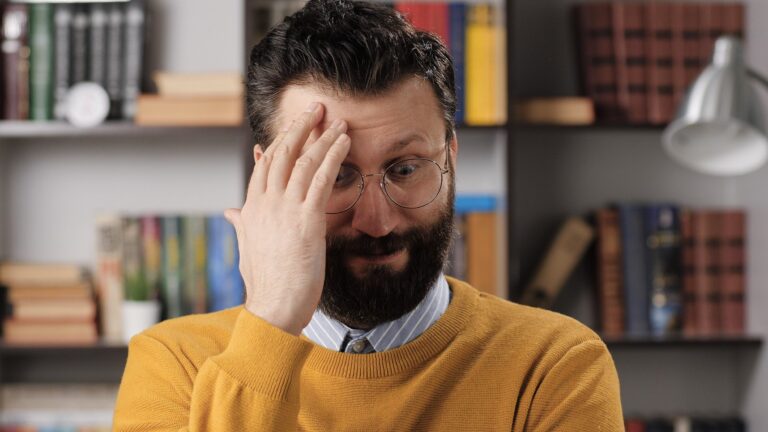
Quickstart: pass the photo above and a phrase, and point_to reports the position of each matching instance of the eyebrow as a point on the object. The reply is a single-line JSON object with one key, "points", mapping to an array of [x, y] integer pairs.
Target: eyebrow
{"points": [[403, 143]]}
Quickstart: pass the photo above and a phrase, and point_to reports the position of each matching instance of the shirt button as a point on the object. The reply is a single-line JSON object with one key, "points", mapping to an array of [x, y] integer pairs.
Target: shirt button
{"points": [[358, 346]]}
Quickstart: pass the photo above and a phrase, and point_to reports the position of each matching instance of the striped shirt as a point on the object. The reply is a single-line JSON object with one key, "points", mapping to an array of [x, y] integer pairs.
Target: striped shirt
{"points": [[332, 334]]}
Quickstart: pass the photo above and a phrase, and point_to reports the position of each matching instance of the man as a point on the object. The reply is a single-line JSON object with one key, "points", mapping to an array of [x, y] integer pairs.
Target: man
{"points": [[349, 323]]}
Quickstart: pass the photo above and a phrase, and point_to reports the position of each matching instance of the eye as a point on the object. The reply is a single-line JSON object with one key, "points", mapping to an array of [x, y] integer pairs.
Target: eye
{"points": [[347, 177], [404, 170]]}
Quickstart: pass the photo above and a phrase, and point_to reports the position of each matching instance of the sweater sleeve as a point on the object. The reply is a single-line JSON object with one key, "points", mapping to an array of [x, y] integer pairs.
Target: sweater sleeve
{"points": [[253, 384], [580, 393]]}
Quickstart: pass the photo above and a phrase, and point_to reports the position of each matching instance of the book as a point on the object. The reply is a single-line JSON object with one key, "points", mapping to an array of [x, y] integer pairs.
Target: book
{"points": [[52, 310], [152, 259], [21, 273], [457, 39], [659, 63], [41, 61], [610, 296], [636, 295], [152, 110], [115, 53], [50, 333], [479, 69], [710, 28], [80, 29], [629, 50], [225, 284], [687, 261], [97, 40], [663, 268], [194, 291], [556, 111], [134, 282], [597, 61], [172, 275], [213, 85], [732, 260], [705, 225], [562, 256], [109, 275], [135, 20], [480, 244], [62, 16], [686, 37], [82, 290], [15, 50]]}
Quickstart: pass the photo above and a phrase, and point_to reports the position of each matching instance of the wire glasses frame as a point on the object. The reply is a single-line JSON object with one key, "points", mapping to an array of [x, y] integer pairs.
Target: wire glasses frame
{"points": [[384, 182]]}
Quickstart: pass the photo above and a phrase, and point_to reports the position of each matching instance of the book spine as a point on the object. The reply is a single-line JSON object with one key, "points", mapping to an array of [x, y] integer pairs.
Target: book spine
{"points": [[41, 61], [481, 251], [733, 20], [15, 50], [705, 227], [480, 71], [134, 54], [662, 229], [688, 272], [659, 65], [172, 275], [629, 38], [609, 272], [598, 58], [97, 68], [63, 40], [80, 23], [710, 28], [194, 292], [134, 281], [636, 293], [109, 271], [457, 28], [225, 285], [732, 271], [152, 258], [115, 50]]}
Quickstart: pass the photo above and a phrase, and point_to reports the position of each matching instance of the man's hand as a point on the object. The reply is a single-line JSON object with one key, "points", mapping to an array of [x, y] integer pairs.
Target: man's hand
{"points": [[281, 227]]}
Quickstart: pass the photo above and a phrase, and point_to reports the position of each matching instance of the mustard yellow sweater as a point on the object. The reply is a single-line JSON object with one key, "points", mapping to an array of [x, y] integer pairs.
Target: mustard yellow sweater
{"points": [[485, 365]]}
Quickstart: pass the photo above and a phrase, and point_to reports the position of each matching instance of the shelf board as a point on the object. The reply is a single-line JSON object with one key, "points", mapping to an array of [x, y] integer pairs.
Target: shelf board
{"points": [[58, 129], [646, 341], [598, 127], [99, 347]]}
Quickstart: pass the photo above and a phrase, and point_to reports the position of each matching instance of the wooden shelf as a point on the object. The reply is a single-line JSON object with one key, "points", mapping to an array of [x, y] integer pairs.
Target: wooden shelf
{"points": [[649, 341], [590, 128], [31, 129]]}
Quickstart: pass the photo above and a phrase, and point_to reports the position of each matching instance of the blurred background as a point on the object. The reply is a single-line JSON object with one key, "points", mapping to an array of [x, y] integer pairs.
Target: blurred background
{"points": [[112, 191]]}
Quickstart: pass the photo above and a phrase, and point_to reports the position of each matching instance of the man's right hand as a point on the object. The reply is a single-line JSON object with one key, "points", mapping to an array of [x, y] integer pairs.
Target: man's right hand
{"points": [[281, 228]]}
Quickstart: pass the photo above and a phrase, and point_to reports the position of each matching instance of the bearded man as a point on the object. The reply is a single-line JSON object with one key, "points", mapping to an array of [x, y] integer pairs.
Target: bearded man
{"points": [[349, 323]]}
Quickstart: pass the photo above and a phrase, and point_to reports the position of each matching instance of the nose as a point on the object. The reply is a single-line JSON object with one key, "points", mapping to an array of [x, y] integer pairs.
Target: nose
{"points": [[374, 214]]}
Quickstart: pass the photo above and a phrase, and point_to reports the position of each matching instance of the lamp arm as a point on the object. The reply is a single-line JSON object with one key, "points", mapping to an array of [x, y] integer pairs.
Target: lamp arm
{"points": [[758, 77]]}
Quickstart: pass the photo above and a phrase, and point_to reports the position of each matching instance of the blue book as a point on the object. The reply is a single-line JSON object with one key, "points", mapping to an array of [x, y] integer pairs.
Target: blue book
{"points": [[225, 284], [474, 203], [636, 294], [457, 25], [663, 268]]}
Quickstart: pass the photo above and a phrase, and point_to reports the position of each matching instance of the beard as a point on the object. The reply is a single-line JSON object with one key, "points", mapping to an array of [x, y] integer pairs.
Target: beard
{"points": [[382, 294]]}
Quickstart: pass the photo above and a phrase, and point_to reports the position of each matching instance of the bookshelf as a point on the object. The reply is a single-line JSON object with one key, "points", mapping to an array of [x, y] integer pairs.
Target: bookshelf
{"points": [[555, 172]]}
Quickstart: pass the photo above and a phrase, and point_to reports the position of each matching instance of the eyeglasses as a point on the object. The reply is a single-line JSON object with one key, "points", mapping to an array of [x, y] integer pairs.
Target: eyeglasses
{"points": [[409, 183]]}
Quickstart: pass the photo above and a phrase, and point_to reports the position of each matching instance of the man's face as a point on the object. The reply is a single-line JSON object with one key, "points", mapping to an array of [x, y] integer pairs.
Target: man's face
{"points": [[382, 259]]}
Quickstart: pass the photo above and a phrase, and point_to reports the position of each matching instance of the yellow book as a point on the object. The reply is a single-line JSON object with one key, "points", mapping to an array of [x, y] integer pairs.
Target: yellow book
{"points": [[480, 69]]}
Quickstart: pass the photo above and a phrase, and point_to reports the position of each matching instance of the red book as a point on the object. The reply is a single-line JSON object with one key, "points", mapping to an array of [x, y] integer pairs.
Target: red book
{"points": [[659, 63], [685, 47], [597, 62], [629, 50], [609, 272], [438, 21], [705, 227], [732, 274]]}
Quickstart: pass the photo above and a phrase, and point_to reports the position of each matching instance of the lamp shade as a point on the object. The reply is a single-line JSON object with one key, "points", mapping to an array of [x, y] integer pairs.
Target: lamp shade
{"points": [[719, 129]]}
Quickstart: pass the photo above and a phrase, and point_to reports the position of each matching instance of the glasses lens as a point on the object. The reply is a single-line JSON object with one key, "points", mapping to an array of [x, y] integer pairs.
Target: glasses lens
{"points": [[346, 190], [413, 183]]}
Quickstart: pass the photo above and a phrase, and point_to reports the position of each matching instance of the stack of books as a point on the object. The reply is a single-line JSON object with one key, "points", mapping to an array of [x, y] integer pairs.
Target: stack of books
{"points": [[48, 304], [203, 99], [638, 58]]}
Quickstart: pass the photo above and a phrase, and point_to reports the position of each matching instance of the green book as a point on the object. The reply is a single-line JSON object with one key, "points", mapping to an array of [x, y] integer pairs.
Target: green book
{"points": [[194, 285], [172, 274], [41, 61]]}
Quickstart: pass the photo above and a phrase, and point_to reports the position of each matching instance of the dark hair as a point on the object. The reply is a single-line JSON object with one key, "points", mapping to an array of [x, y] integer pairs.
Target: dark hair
{"points": [[357, 48]]}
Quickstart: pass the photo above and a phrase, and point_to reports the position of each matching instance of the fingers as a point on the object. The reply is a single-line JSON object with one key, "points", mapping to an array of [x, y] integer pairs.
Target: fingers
{"points": [[287, 151], [232, 215], [322, 183], [258, 182], [307, 164]]}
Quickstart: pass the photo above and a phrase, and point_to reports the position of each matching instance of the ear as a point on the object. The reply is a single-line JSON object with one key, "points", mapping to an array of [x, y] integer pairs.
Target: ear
{"points": [[454, 147]]}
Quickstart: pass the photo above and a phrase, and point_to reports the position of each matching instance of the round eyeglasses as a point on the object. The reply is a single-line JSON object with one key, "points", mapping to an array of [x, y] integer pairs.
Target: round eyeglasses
{"points": [[409, 183]]}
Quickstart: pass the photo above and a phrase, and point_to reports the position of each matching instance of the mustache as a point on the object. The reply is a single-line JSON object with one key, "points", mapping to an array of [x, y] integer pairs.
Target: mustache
{"points": [[367, 245]]}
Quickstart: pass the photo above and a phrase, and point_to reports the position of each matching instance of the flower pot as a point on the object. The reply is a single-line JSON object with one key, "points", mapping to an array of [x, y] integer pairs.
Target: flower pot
{"points": [[138, 316]]}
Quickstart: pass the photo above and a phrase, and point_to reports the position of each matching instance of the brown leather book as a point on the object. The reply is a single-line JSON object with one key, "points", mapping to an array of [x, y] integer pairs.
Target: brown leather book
{"points": [[685, 47], [732, 274], [629, 48], [705, 227], [15, 51], [481, 255], [659, 62], [711, 27], [594, 24], [609, 272], [733, 20]]}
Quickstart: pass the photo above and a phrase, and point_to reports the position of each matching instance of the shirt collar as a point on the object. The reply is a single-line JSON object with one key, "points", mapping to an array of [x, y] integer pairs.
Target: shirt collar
{"points": [[330, 333]]}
